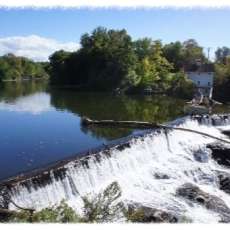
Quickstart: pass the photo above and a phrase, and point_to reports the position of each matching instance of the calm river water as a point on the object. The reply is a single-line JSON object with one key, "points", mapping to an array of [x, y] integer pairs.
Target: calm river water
{"points": [[39, 125]]}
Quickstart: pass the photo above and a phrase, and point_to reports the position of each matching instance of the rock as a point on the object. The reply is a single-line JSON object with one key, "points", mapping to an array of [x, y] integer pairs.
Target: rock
{"points": [[4, 204], [224, 181], [159, 175], [211, 202], [201, 156], [221, 154], [4, 197], [144, 214], [226, 132]]}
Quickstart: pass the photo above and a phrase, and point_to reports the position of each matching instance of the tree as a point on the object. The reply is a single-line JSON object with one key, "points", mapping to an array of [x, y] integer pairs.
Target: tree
{"points": [[222, 80], [103, 207], [142, 47], [161, 65], [181, 86], [57, 66], [17, 68], [105, 61], [221, 54], [173, 52], [148, 73], [192, 52]]}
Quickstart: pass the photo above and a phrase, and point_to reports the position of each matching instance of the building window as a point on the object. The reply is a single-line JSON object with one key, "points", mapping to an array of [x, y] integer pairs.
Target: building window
{"points": [[198, 82], [208, 83]]}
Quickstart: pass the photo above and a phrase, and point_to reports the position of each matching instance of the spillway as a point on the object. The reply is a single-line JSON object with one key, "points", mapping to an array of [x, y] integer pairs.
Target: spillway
{"points": [[137, 165]]}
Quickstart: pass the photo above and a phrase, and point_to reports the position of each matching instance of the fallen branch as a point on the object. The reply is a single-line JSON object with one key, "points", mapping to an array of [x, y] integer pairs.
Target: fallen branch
{"points": [[24, 209], [129, 124], [141, 124], [6, 211]]}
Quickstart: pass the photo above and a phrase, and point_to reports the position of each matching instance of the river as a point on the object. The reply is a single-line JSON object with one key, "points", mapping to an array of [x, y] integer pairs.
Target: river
{"points": [[40, 125]]}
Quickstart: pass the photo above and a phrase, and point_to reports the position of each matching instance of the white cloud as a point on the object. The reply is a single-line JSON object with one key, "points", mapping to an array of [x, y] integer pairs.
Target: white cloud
{"points": [[114, 3], [34, 47]]}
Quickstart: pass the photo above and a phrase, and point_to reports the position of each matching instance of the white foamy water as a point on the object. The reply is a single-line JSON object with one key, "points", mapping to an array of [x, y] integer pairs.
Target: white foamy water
{"points": [[134, 169]]}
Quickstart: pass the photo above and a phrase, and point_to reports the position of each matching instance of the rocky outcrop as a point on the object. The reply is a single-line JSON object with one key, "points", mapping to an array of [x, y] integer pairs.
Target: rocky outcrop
{"points": [[226, 132], [161, 176], [143, 214], [220, 153], [4, 197], [224, 181], [211, 202], [201, 156]]}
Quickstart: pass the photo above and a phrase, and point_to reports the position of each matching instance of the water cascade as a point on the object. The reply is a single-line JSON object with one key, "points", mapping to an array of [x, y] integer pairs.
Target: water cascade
{"points": [[149, 169]]}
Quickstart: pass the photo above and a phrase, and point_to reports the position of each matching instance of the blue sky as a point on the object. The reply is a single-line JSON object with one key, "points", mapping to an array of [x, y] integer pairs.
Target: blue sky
{"points": [[208, 26]]}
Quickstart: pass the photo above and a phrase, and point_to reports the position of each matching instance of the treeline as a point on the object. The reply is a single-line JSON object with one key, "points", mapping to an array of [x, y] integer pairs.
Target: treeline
{"points": [[222, 73], [13, 68], [110, 60]]}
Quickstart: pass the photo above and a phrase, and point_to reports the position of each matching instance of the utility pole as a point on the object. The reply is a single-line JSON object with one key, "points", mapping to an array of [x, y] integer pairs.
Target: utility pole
{"points": [[209, 48]]}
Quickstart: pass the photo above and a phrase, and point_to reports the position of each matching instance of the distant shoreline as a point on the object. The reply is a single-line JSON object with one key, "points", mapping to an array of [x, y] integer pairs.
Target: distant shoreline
{"points": [[21, 80]]}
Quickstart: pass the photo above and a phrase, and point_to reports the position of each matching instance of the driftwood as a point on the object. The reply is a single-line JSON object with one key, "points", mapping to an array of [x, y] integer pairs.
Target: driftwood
{"points": [[129, 124], [24, 209], [141, 124]]}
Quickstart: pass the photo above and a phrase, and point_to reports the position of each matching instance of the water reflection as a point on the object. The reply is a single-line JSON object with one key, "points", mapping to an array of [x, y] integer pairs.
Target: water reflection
{"points": [[104, 106], [41, 125], [27, 97], [11, 91], [34, 104], [35, 98]]}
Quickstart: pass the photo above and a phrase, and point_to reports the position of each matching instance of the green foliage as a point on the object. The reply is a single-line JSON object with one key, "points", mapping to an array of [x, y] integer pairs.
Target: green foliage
{"points": [[105, 206], [56, 214], [57, 65], [222, 54], [136, 216], [142, 48], [147, 72], [109, 59], [174, 53], [105, 61], [17, 68], [181, 85], [222, 80], [152, 68], [191, 52], [182, 54]]}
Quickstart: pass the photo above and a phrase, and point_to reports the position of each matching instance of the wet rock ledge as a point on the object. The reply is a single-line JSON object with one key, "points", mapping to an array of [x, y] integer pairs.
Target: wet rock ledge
{"points": [[193, 193]]}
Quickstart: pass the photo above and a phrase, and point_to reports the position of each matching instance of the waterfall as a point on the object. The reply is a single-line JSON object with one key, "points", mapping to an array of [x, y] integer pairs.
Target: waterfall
{"points": [[138, 168]]}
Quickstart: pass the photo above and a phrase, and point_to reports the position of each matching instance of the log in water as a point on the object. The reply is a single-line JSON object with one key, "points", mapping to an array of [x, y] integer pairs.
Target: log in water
{"points": [[142, 125]]}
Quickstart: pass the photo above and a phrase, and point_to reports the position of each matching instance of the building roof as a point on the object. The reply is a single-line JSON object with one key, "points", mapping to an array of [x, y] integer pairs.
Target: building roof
{"points": [[199, 68]]}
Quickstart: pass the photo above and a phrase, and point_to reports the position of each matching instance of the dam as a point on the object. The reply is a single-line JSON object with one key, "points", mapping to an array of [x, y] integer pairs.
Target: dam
{"points": [[149, 168]]}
